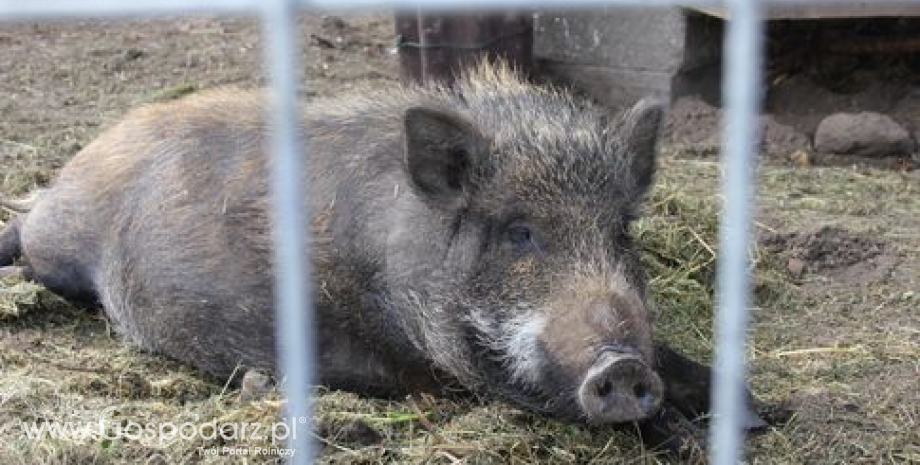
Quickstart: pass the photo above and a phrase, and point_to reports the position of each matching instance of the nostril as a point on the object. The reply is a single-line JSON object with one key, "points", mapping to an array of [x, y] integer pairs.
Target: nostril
{"points": [[604, 388], [619, 388], [645, 396], [641, 391]]}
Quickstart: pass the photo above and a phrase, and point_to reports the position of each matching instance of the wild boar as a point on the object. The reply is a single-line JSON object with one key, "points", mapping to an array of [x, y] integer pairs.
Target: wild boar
{"points": [[477, 235]]}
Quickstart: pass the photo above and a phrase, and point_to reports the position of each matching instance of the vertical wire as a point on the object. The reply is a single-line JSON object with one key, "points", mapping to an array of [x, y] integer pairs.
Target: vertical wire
{"points": [[293, 306], [740, 83]]}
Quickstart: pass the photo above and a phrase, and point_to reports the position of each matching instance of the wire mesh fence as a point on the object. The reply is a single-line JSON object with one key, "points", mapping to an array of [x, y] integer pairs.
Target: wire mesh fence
{"points": [[293, 296]]}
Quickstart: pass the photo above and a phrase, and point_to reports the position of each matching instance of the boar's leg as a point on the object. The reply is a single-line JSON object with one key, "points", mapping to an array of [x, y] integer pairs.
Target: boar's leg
{"points": [[687, 382], [10, 246], [389, 386], [688, 385], [65, 277], [671, 431], [10, 250], [348, 362], [676, 428]]}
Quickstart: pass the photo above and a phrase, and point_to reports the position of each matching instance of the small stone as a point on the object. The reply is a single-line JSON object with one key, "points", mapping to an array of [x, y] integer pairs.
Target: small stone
{"points": [[132, 385], [156, 459], [132, 54], [863, 134], [800, 158], [255, 385], [796, 267]]}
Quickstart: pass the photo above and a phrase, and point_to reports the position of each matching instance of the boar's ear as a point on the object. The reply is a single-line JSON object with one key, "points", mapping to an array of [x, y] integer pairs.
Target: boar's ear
{"points": [[637, 129], [439, 150]]}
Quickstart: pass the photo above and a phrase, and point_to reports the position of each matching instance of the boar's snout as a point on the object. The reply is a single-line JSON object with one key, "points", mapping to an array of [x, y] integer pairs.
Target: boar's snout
{"points": [[619, 387]]}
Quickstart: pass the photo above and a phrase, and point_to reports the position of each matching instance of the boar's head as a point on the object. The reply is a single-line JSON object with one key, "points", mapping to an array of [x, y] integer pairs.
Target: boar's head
{"points": [[513, 249]]}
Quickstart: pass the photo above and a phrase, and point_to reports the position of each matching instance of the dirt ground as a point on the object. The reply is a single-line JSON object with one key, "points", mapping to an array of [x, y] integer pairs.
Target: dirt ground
{"points": [[836, 326], [815, 69]]}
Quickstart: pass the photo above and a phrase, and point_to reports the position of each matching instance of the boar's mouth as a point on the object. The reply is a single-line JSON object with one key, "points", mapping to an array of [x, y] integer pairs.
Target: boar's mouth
{"points": [[551, 398]]}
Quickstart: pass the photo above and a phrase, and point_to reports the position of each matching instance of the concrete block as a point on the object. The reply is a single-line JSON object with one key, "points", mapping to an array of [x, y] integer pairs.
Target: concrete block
{"points": [[614, 88], [617, 55], [635, 38]]}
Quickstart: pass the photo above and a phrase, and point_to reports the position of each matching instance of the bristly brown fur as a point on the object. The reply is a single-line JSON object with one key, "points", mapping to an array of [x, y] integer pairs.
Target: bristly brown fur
{"points": [[165, 221]]}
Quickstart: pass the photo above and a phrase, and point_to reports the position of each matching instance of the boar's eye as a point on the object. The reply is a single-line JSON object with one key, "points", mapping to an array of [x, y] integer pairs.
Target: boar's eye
{"points": [[521, 236], [621, 232]]}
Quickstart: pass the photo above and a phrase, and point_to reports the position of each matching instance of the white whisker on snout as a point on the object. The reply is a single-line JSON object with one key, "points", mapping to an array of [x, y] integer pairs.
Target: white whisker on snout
{"points": [[515, 340], [521, 344]]}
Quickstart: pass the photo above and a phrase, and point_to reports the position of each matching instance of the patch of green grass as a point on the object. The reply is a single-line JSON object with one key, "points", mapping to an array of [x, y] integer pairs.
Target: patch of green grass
{"points": [[679, 239]]}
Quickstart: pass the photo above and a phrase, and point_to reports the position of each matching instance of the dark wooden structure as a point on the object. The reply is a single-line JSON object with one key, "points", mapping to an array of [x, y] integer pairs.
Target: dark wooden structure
{"points": [[435, 46]]}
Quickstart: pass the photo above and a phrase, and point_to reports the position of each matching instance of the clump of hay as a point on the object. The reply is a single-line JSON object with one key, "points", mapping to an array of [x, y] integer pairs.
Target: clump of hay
{"points": [[678, 237], [17, 297]]}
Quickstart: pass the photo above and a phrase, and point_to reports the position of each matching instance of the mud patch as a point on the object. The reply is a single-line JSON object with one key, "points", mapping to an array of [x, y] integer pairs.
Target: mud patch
{"points": [[693, 126], [832, 251]]}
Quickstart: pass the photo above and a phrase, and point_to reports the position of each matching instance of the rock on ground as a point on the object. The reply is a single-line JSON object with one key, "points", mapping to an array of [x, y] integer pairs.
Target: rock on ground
{"points": [[863, 134]]}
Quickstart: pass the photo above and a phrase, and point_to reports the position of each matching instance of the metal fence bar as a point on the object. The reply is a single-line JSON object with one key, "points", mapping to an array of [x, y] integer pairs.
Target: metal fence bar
{"points": [[741, 75], [293, 306]]}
